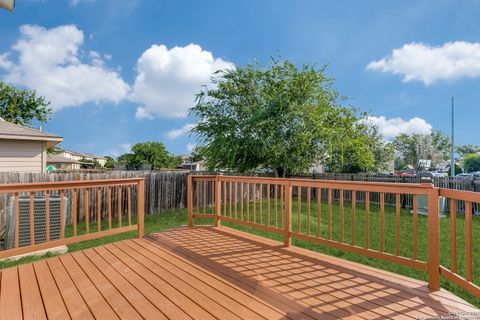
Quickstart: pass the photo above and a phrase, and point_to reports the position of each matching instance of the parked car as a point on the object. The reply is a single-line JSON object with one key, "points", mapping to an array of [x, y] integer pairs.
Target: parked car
{"points": [[464, 175], [431, 174], [475, 174]]}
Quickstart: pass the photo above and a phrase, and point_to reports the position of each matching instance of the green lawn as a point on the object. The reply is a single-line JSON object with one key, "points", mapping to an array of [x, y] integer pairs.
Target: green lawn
{"points": [[176, 218]]}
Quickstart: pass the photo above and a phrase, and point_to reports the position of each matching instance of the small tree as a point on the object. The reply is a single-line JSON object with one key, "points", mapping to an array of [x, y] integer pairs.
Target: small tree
{"points": [[150, 153], [109, 163], [22, 106], [471, 163]]}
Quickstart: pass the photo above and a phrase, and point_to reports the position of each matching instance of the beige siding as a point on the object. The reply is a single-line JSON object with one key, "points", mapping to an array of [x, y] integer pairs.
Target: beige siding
{"points": [[22, 156]]}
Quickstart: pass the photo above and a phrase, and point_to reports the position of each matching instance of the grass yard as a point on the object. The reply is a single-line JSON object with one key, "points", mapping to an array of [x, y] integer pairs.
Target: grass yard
{"points": [[176, 218]]}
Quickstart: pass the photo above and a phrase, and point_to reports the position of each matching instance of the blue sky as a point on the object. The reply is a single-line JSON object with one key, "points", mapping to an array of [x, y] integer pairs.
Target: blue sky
{"points": [[120, 72]]}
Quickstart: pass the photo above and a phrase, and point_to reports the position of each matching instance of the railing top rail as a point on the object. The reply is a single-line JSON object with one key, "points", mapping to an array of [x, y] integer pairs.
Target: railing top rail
{"points": [[460, 195], [392, 187], [65, 185]]}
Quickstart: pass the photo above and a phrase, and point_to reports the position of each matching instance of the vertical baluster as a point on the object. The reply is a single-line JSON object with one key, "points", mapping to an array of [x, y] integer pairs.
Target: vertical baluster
{"points": [[119, 205], [87, 213], [268, 204], [367, 220], [382, 222], [468, 240], [260, 196], [99, 209], [47, 215], [62, 214], [276, 206], [248, 201], [17, 219], [415, 233], [109, 207], [309, 191], [129, 205], [254, 191], [354, 205], [212, 183], [319, 210], [341, 215], [397, 224], [299, 214], [230, 198], [197, 198], [204, 192], [235, 196], [241, 200], [225, 198], [329, 214], [32, 218], [453, 233], [75, 212]]}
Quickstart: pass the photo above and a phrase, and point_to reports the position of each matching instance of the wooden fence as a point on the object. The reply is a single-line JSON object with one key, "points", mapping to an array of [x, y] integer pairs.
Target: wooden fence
{"points": [[164, 190], [305, 209]]}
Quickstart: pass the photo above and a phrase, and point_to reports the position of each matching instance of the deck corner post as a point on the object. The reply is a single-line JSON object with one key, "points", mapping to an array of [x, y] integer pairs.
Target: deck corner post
{"points": [[433, 263], [190, 199], [287, 227], [218, 201], [141, 207]]}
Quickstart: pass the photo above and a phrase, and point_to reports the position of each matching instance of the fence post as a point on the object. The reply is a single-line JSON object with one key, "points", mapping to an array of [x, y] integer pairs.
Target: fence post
{"points": [[218, 201], [141, 207], [287, 220], [190, 199], [433, 263]]}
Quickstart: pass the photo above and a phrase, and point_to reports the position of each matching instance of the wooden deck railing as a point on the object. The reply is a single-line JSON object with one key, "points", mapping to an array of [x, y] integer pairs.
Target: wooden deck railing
{"points": [[91, 211], [317, 211]]}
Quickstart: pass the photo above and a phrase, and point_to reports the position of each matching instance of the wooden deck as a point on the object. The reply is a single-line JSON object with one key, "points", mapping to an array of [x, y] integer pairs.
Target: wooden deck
{"points": [[208, 273]]}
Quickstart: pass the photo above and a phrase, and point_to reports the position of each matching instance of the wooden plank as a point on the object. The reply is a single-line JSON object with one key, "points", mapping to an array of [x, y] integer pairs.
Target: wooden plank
{"points": [[309, 192], [52, 300], [62, 214], [75, 213], [276, 206], [212, 291], [119, 205], [10, 300], [253, 225], [32, 304], [468, 241], [99, 209], [248, 201], [329, 214], [203, 299], [235, 199], [260, 196], [225, 199], [204, 192], [95, 301], [354, 201], [230, 199], [241, 296], [268, 204], [156, 297], [319, 212], [130, 292], [109, 207], [453, 234], [299, 211], [76, 306], [241, 201], [254, 194], [173, 293], [129, 205], [115, 299], [433, 240], [367, 220], [341, 214], [86, 210], [190, 200]]}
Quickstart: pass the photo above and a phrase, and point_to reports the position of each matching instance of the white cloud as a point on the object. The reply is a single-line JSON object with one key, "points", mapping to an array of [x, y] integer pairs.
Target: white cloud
{"points": [[176, 133], [50, 61], [422, 62], [190, 146], [75, 2], [390, 128], [168, 79], [119, 150]]}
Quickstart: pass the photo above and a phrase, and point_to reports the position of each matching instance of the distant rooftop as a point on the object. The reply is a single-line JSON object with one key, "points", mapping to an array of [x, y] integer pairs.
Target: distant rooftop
{"points": [[13, 131]]}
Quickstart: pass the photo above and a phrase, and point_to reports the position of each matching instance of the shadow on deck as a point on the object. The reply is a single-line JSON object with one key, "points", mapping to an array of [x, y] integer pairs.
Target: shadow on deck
{"points": [[208, 273]]}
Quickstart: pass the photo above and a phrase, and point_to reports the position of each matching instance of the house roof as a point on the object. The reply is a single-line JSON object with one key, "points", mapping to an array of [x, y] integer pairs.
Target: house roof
{"points": [[56, 158], [13, 131]]}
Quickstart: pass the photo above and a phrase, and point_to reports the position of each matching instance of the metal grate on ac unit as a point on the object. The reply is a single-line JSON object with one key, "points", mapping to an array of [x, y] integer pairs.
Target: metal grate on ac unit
{"points": [[39, 205]]}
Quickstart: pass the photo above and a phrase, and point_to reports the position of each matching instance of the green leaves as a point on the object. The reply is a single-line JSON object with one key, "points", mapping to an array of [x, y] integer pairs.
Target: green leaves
{"points": [[280, 118], [151, 153], [22, 106]]}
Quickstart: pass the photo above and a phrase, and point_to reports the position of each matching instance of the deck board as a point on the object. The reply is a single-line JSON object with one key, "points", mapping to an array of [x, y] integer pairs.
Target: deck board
{"points": [[212, 273]]}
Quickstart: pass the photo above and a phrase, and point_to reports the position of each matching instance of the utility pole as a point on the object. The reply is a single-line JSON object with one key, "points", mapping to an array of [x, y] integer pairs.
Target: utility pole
{"points": [[452, 155]]}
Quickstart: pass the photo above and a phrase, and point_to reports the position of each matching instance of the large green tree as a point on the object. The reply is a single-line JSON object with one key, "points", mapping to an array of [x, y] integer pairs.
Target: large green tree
{"points": [[411, 148], [466, 149], [280, 118], [22, 106], [150, 153], [471, 163]]}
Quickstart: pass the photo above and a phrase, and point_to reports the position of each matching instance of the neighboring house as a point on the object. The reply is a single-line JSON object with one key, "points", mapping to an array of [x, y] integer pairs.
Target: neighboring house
{"points": [[61, 162], [317, 168], [24, 149], [194, 166], [78, 156]]}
